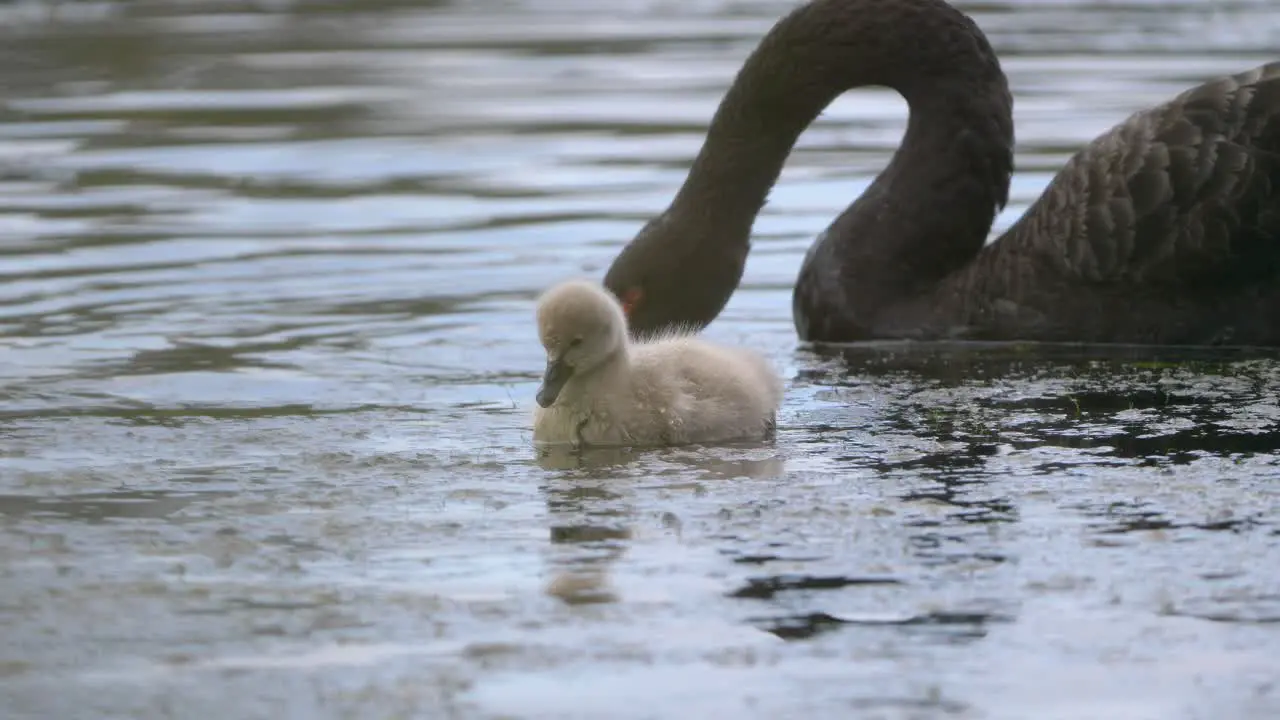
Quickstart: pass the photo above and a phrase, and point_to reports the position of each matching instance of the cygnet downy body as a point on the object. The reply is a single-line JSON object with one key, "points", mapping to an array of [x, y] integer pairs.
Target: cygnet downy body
{"points": [[601, 389]]}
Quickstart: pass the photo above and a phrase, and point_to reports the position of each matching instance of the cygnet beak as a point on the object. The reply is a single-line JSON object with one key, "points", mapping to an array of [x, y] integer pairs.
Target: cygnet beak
{"points": [[557, 374]]}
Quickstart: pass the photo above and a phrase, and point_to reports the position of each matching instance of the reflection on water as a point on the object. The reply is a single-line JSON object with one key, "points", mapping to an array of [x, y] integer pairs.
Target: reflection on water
{"points": [[266, 285]]}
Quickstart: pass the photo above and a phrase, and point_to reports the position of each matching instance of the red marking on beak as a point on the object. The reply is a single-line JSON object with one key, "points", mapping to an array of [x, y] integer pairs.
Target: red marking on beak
{"points": [[630, 299]]}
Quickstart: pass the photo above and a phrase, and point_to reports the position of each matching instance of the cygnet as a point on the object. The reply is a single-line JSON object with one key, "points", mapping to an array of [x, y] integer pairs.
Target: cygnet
{"points": [[601, 389]]}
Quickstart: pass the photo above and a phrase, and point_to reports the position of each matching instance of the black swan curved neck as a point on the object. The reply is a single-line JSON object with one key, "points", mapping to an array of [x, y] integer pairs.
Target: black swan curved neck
{"points": [[949, 176], [927, 51]]}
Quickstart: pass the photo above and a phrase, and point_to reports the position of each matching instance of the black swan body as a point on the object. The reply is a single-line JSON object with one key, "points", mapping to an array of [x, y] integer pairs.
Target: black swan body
{"points": [[1164, 230]]}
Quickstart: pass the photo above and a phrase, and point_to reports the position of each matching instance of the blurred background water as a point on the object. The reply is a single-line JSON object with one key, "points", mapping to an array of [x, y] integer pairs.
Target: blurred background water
{"points": [[267, 363]]}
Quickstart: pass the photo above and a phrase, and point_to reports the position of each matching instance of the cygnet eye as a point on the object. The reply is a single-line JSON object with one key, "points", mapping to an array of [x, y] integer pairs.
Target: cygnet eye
{"points": [[575, 342]]}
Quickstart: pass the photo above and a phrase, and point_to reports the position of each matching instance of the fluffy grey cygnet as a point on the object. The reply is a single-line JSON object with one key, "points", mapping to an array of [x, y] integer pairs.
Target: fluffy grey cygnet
{"points": [[600, 388]]}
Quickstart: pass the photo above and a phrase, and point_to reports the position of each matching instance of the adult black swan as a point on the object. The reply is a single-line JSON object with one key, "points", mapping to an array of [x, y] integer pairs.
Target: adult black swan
{"points": [[1165, 229]]}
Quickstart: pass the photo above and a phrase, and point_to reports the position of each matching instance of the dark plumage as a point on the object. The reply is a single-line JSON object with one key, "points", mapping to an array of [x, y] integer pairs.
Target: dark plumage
{"points": [[1165, 229]]}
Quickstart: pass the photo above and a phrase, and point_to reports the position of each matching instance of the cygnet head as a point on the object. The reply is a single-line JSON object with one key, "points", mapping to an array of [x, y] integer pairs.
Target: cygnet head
{"points": [[581, 325]]}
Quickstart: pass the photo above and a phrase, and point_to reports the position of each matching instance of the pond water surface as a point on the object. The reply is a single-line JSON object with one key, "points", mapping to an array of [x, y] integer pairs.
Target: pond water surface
{"points": [[267, 364]]}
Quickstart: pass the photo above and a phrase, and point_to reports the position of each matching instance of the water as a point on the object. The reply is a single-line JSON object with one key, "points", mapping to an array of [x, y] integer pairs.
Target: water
{"points": [[268, 363]]}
